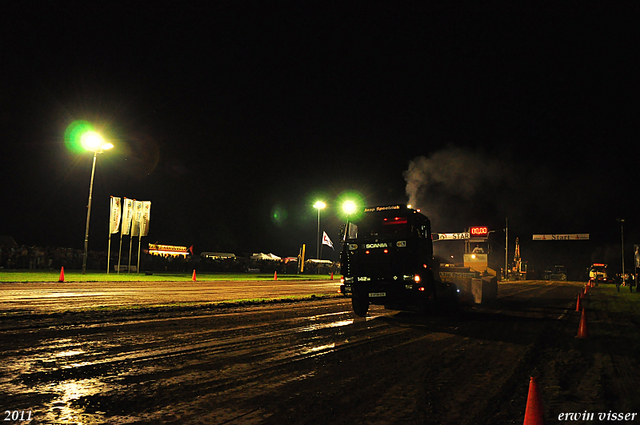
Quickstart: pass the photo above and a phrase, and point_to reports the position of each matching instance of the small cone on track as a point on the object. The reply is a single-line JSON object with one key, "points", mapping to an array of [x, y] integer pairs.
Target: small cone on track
{"points": [[578, 306], [534, 414], [193, 278], [61, 279], [331, 275], [275, 275], [582, 328]]}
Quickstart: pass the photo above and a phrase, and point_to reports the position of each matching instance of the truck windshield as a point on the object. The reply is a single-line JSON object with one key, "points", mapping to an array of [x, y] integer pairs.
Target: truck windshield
{"points": [[379, 226]]}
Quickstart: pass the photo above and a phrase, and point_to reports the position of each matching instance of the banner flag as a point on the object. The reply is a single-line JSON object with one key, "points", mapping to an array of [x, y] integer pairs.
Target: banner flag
{"points": [[137, 217], [127, 215], [114, 215], [146, 216], [326, 240]]}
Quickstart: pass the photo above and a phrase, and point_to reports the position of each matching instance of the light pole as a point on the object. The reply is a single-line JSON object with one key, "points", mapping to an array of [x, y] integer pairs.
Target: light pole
{"points": [[621, 221], [319, 205], [349, 207], [93, 142]]}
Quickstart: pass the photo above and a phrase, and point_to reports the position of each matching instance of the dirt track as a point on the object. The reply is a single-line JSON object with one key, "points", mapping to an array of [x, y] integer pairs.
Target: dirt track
{"points": [[310, 362]]}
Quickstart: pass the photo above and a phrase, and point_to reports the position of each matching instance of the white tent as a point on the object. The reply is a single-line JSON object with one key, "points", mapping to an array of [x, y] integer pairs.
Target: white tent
{"points": [[263, 256]]}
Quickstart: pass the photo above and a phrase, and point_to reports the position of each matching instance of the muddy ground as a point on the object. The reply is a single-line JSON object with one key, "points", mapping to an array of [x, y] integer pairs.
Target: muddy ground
{"points": [[314, 362]]}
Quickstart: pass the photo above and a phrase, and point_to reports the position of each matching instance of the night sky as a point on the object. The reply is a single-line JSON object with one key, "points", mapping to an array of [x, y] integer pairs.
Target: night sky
{"points": [[233, 117]]}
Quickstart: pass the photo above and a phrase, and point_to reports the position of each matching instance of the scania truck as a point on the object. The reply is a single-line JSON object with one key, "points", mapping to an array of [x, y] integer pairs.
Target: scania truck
{"points": [[387, 259]]}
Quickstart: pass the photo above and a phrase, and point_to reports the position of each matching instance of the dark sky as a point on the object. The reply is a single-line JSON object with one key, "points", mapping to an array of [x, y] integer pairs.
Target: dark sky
{"points": [[232, 117]]}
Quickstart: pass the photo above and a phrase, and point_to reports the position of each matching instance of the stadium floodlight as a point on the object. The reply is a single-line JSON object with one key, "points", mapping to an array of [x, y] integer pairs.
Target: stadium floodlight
{"points": [[93, 142], [349, 207], [319, 205]]}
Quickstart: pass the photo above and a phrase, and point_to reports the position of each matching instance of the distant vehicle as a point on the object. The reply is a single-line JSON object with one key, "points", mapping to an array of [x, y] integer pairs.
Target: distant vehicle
{"points": [[598, 272], [387, 259], [559, 272]]}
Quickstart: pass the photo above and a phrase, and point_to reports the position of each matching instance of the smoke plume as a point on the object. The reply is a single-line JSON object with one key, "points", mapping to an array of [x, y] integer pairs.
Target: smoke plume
{"points": [[455, 185]]}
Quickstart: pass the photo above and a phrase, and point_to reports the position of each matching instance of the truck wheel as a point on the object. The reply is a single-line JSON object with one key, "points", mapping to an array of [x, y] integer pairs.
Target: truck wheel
{"points": [[360, 305]]}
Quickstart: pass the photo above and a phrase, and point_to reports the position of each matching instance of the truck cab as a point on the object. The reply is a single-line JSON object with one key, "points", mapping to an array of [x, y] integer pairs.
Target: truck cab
{"points": [[387, 259]]}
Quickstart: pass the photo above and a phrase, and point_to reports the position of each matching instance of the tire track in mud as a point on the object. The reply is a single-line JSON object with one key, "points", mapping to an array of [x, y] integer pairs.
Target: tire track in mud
{"points": [[128, 362], [304, 363]]}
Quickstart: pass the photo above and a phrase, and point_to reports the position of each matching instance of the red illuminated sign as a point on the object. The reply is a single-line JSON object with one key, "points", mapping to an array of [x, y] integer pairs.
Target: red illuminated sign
{"points": [[479, 231]]}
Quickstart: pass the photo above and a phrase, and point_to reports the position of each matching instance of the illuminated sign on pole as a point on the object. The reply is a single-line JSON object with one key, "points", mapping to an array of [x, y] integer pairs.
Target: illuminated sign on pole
{"points": [[563, 237], [479, 231], [453, 236]]}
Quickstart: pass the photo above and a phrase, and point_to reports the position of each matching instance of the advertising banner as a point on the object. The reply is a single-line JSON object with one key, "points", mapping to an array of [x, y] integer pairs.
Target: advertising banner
{"points": [[145, 217], [562, 237], [137, 218], [453, 236], [127, 215], [115, 213]]}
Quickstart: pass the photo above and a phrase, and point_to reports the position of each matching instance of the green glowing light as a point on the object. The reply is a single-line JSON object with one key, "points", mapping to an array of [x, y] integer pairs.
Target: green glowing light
{"points": [[279, 215], [73, 135], [352, 203], [80, 137], [349, 207]]}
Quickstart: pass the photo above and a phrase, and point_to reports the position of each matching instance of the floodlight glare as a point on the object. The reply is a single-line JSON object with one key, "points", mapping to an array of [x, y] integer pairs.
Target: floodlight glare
{"points": [[349, 207], [319, 205], [93, 142]]}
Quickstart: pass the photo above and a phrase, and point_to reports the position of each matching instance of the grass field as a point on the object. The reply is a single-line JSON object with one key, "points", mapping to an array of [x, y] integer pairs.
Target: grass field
{"points": [[93, 276], [606, 298]]}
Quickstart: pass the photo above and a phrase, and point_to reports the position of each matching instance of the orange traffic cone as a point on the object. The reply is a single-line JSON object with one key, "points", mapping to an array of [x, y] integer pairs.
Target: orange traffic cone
{"points": [[582, 328], [534, 414], [275, 275], [194, 275], [61, 279], [331, 275], [578, 303]]}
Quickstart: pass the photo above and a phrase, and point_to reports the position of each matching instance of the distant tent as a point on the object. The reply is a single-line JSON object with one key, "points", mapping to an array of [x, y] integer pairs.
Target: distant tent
{"points": [[263, 256], [7, 241]]}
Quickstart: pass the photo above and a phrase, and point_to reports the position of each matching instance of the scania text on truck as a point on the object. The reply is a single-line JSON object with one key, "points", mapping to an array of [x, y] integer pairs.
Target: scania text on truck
{"points": [[387, 259]]}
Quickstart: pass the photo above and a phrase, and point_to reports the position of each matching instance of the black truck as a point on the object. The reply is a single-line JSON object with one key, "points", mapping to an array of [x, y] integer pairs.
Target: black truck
{"points": [[387, 259]]}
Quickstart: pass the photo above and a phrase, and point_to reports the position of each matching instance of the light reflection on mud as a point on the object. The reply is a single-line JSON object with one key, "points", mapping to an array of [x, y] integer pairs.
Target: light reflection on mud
{"points": [[63, 408], [78, 377]]}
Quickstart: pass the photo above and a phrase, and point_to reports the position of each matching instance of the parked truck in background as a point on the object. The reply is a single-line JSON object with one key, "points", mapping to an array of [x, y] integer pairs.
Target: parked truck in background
{"points": [[598, 272]]}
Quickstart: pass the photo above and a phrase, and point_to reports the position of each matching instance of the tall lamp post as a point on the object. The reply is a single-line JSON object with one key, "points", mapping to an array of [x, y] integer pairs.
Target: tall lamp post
{"points": [[349, 207], [621, 221], [93, 142], [319, 205]]}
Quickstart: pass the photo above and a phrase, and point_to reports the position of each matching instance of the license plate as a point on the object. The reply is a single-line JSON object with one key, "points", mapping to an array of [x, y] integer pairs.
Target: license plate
{"points": [[377, 294]]}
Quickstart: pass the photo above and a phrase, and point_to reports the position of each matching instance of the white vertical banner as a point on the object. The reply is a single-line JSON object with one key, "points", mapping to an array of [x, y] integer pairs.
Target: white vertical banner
{"points": [[115, 211], [132, 221], [143, 211], [115, 214], [137, 217], [127, 214], [146, 216]]}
